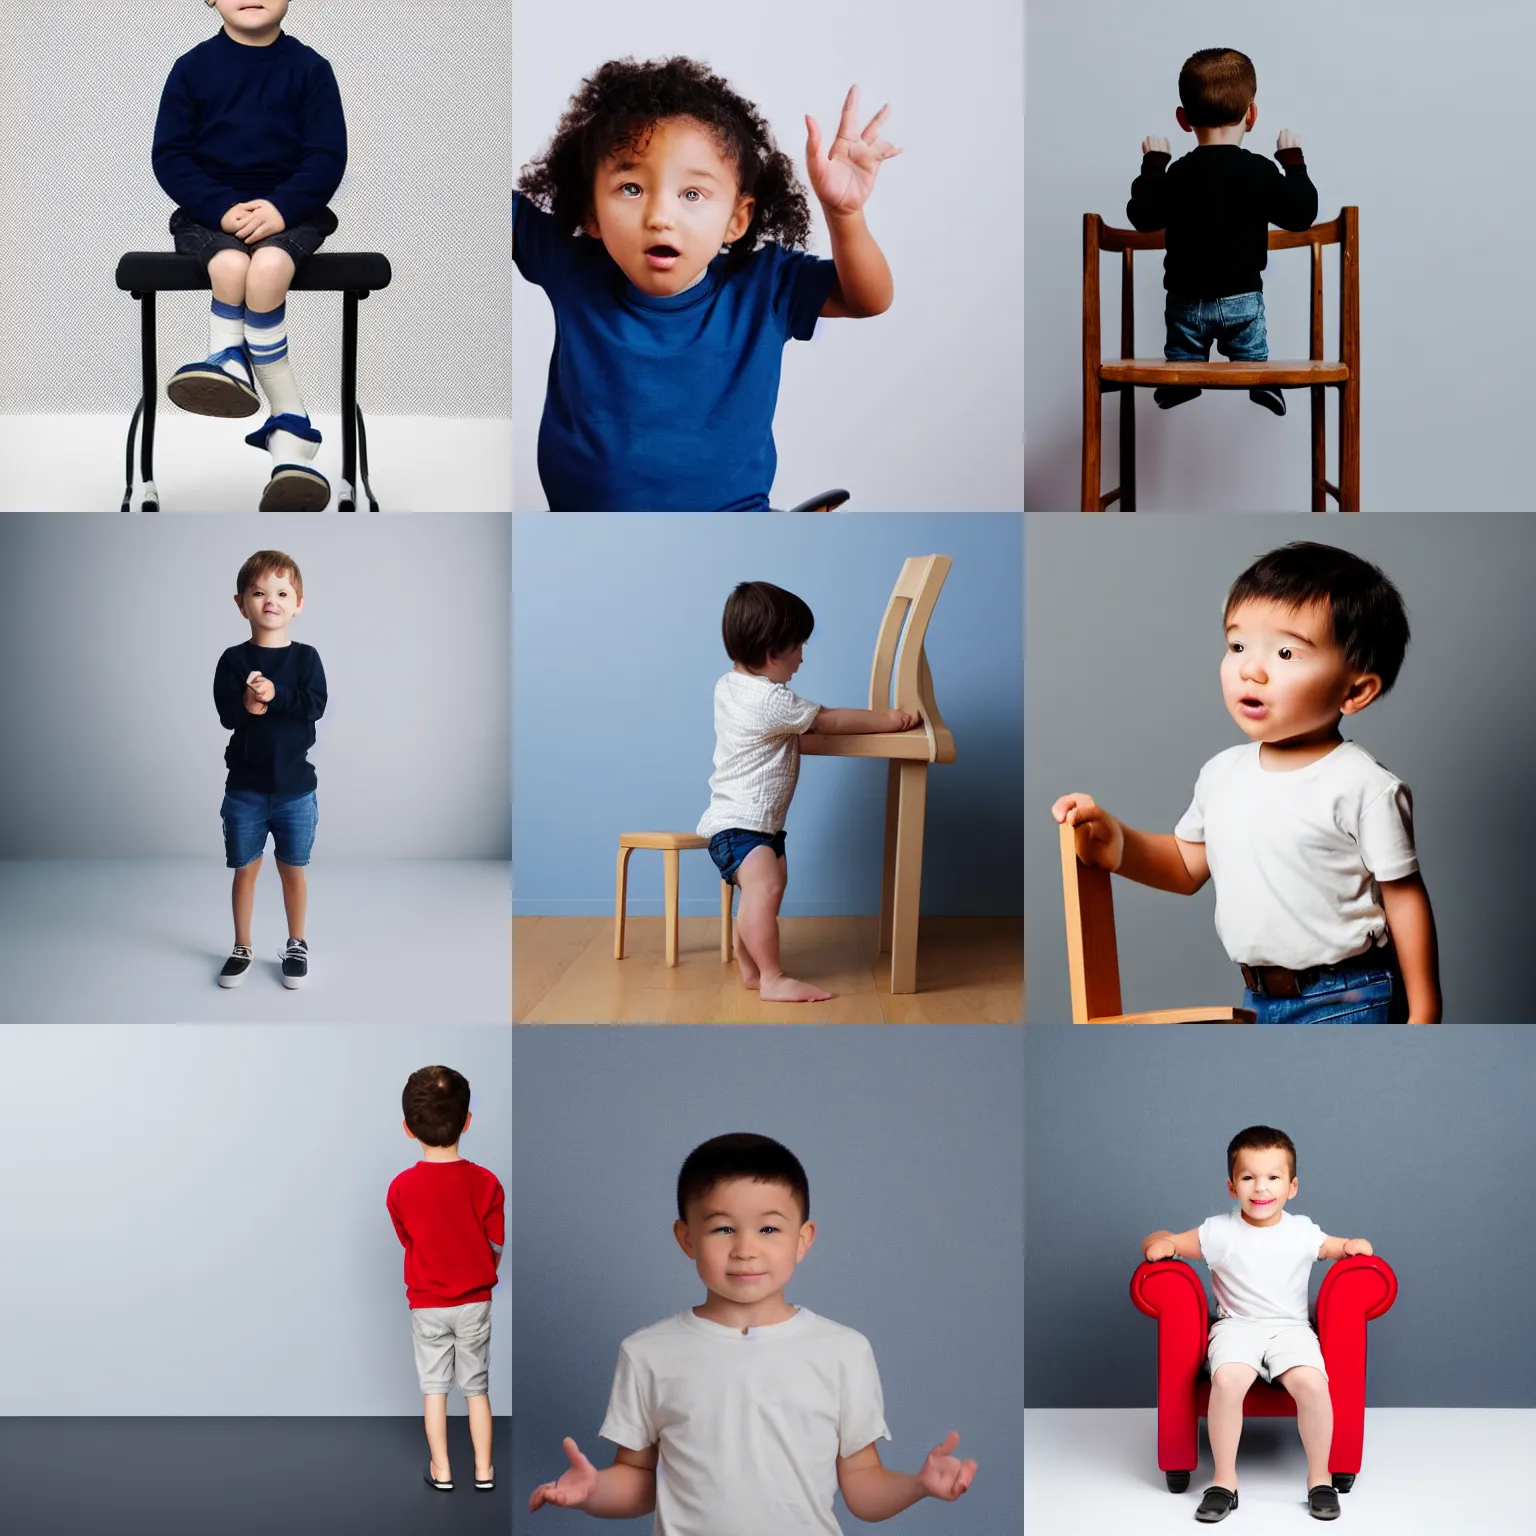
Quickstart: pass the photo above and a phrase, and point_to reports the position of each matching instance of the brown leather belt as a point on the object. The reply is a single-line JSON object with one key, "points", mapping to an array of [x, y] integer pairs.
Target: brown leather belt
{"points": [[1277, 981]]}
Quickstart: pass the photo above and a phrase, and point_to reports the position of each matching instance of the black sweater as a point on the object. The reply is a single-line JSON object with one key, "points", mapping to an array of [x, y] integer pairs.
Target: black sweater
{"points": [[1216, 204], [268, 752]]}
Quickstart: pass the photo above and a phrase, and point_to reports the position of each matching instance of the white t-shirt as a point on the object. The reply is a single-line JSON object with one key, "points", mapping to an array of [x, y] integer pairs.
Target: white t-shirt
{"points": [[758, 725], [1261, 1273], [749, 1425], [1297, 858]]}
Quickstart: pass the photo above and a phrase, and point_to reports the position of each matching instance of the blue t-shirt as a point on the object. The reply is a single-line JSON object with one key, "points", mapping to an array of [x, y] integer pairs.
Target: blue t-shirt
{"points": [[663, 404]]}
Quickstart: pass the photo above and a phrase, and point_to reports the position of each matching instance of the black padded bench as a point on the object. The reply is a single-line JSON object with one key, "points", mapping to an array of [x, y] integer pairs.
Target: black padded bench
{"points": [[353, 274]]}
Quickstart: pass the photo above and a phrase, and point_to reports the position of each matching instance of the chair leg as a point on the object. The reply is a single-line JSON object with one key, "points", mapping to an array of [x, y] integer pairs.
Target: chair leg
{"points": [[1319, 448], [619, 902], [149, 389], [133, 430], [348, 499], [1349, 446], [669, 861], [362, 462], [727, 948], [908, 883], [1093, 444], [888, 861], [1127, 448]]}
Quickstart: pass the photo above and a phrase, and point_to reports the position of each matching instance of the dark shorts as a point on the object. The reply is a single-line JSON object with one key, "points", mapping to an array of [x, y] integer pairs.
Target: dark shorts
{"points": [[299, 240], [249, 816], [730, 847]]}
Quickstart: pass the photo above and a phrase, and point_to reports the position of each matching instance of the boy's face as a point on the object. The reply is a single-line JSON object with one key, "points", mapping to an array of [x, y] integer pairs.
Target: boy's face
{"points": [[665, 206], [270, 602], [745, 1238], [1262, 1182], [782, 665], [251, 16], [1284, 677]]}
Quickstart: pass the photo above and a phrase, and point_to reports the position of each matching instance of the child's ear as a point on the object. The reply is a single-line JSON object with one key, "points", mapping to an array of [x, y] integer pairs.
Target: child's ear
{"points": [[1252, 115], [740, 219], [807, 1237], [1365, 689], [1183, 120], [684, 1241], [408, 1131]]}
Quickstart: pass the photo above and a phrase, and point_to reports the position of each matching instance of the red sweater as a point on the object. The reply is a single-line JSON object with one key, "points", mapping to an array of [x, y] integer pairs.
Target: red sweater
{"points": [[447, 1216]]}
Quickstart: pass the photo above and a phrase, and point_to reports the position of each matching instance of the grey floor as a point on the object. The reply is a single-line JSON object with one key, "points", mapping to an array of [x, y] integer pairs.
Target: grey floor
{"points": [[239, 1477], [141, 941]]}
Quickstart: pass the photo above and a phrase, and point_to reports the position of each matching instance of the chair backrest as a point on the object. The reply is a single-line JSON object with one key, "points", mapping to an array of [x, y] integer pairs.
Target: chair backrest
{"points": [[1093, 960], [899, 650]]}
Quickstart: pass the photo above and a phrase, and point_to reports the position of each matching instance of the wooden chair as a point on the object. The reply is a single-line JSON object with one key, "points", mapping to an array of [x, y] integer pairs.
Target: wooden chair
{"points": [[1093, 959], [899, 655], [671, 844], [1126, 374]]}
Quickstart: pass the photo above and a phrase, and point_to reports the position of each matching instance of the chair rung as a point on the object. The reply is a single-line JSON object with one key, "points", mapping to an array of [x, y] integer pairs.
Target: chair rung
{"points": [[1332, 489], [1108, 498]]}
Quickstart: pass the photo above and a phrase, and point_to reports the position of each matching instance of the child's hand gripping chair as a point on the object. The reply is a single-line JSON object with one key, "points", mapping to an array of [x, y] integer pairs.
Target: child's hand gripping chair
{"points": [[1354, 1292]]}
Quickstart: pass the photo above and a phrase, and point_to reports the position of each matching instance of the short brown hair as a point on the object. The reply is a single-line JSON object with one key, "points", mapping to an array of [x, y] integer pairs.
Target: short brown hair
{"points": [[1216, 86], [762, 620], [269, 562], [741, 1155], [1260, 1138], [436, 1105]]}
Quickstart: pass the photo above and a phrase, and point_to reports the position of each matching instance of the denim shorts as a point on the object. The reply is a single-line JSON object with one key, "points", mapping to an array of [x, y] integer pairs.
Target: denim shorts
{"points": [[730, 847], [249, 816], [1235, 324], [1366, 992], [299, 240]]}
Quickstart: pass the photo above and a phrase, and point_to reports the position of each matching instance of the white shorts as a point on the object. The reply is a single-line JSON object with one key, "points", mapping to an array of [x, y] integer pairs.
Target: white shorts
{"points": [[1271, 1348], [453, 1342]]}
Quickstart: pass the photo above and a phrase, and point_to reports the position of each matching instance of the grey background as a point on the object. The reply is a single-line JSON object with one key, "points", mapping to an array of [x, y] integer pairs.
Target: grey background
{"points": [[110, 628], [1123, 624], [919, 409], [1375, 90], [912, 1142], [205, 1232], [1415, 1139], [426, 89]]}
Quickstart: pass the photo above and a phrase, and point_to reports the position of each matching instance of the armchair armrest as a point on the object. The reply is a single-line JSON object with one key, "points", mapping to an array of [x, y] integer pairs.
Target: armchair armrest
{"points": [[1174, 1294], [1353, 1292]]}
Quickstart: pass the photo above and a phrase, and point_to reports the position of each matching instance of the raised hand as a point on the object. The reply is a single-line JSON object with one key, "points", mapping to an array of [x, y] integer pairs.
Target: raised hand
{"points": [[944, 1475], [1152, 145], [1105, 842], [261, 687], [1287, 140], [255, 221], [843, 178], [574, 1486]]}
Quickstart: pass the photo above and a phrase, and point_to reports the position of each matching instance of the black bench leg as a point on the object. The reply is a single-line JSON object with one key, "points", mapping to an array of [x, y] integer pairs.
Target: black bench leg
{"points": [[148, 389], [362, 454], [348, 500], [133, 430]]}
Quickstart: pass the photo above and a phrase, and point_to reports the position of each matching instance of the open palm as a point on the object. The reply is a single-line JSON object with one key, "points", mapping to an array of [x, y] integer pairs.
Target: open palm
{"points": [[944, 1475], [844, 176], [575, 1485]]}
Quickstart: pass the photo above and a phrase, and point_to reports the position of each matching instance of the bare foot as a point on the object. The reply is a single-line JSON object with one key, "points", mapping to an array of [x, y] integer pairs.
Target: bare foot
{"points": [[785, 989], [749, 973]]}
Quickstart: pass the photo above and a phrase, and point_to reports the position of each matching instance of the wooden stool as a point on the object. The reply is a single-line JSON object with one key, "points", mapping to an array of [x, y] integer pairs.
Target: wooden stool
{"points": [[670, 844]]}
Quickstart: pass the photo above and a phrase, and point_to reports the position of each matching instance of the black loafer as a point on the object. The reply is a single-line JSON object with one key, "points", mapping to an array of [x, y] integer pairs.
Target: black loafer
{"points": [[1217, 1504], [442, 1484], [485, 1484], [1323, 1503]]}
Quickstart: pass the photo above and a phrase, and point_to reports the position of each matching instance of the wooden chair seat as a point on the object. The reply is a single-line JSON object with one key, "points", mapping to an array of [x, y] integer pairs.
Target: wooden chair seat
{"points": [[1277, 373], [662, 840], [670, 844]]}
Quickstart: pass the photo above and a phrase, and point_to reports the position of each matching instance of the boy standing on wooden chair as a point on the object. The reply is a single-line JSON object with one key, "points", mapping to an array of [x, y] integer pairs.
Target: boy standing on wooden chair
{"points": [[1216, 205], [758, 726], [251, 145], [1260, 1257], [1308, 838]]}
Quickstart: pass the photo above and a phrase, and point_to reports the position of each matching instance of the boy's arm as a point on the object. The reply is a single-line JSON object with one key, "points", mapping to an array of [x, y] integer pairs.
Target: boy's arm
{"points": [[1344, 1247], [1158, 859], [1293, 204], [1411, 923], [623, 1491], [229, 693], [843, 180], [1148, 207], [314, 184], [861, 722], [1163, 1244], [873, 1491], [181, 178], [305, 697]]}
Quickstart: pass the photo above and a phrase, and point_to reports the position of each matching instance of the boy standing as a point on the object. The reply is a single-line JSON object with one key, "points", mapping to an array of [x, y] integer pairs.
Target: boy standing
{"points": [[251, 145], [269, 691], [1217, 205], [747, 1414], [758, 726], [1260, 1257], [449, 1215]]}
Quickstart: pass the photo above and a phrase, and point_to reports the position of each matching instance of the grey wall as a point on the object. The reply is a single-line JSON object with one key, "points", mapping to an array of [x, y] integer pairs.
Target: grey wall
{"points": [[1411, 1138], [425, 87], [202, 1228], [1124, 645], [110, 628], [912, 1141], [1371, 88], [921, 408]]}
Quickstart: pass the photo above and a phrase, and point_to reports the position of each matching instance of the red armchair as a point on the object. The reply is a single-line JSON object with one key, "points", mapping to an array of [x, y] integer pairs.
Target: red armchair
{"points": [[1354, 1291]]}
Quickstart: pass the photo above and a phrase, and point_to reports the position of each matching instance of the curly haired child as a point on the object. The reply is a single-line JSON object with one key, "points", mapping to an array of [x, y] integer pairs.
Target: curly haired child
{"points": [[668, 230]]}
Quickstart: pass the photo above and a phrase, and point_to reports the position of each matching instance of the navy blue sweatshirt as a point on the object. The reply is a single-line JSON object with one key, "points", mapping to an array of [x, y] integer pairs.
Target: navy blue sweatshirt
{"points": [[269, 753], [237, 123], [1216, 204]]}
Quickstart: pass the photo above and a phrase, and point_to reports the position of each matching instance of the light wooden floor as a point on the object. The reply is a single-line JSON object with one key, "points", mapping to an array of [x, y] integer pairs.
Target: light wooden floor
{"points": [[970, 971]]}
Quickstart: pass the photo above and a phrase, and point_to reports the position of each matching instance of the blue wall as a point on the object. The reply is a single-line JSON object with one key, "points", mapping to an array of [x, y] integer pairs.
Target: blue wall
{"points": [[616, 648]]}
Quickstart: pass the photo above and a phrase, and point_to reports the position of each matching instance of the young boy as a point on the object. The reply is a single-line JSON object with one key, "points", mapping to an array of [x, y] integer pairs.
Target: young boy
{"points": [[269, 691], [758, 726], [1309, 839], [449, 1215], [251, 145], [746, 1414], [1217, 205], [1260, 1257], [668, 231]]}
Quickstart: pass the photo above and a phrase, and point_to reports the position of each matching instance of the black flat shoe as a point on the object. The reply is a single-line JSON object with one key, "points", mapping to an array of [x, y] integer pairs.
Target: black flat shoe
{"points": [[1166, 396], [485, 1484], [1270, 399], [1217, 1504], [442, 1484], [1323, 1503]]}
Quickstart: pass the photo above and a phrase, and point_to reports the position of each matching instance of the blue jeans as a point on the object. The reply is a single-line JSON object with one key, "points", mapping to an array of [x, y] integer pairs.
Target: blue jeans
{"points": [[1235, 324], [730, 847], [1365, 991], [248, 817]]}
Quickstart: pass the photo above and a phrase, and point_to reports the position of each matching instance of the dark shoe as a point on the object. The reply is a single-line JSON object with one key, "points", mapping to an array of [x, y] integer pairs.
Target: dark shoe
{"points": [[295, 488], [1167, 396], [236, 966], [1217, 1504], [443, 1485], [1323, 1503], [295, 963], [210, 389], [1270, 399], [485, 1484]]}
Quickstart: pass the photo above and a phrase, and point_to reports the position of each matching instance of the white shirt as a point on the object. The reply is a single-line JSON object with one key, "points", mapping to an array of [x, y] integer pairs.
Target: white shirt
{"points": [[749, 1425], [758, 724], [1297, 858], [1261, 1273]]}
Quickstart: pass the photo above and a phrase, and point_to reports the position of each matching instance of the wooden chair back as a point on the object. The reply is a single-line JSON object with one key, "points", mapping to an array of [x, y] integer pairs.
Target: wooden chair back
{"points": [[1093, 960], [899, 652]]}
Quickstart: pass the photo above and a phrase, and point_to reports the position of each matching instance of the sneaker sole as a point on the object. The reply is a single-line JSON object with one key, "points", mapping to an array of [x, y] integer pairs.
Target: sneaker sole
{"points": [[293, 983], [215, 393], [290, 492], [231, 981]]}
